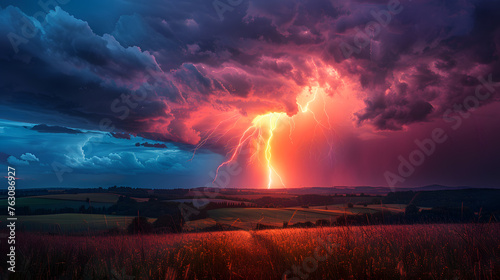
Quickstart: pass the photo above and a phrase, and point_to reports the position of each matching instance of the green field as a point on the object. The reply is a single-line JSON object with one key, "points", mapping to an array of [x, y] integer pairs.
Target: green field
{"points": [[72, 223], [49, 203], [247, 218], [197, 225], [335, 210], [398, 208], [358, 209], [94, 197], [242, 218]]}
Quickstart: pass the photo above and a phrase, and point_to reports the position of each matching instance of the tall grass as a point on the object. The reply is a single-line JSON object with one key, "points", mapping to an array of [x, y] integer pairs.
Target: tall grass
{"points": [[365, 252]]}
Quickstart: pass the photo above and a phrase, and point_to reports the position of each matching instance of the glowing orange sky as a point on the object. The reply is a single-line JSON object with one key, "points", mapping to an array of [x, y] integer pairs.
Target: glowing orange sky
{"points": [[278, 141]]}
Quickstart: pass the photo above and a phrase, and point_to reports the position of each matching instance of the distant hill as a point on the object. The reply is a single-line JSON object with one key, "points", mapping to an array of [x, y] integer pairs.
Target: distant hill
{"points": [[475, 199], [363, 189]]}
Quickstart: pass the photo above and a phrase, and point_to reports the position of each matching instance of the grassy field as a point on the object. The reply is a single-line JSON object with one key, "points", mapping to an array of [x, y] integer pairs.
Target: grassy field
{"points": [[242, 218], [257, 196], [71, 223], [370, 252], [397, 208], [369, 209], [50, 203], [94, 197], [216, 200], [247, 218], [197, 225], [338, 210]]}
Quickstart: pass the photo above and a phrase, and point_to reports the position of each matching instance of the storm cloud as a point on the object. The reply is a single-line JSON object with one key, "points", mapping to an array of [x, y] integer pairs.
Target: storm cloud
{"points": [[183, 58], [174, 70]]}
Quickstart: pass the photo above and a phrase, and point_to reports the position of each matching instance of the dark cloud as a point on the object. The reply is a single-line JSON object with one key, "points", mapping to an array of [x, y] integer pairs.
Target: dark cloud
{"points": [[237, 84], [54, 129], [172, 70], [121, 135], [151, 145], [180, 59], [429, 47]]}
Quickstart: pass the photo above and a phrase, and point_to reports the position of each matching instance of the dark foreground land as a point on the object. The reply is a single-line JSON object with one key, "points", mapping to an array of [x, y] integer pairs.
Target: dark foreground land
{"points": [[433, 251]]}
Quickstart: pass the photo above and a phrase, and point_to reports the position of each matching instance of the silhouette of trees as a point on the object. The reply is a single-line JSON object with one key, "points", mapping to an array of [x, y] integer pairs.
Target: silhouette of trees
{"points": [[140, 225], [169, 223]]}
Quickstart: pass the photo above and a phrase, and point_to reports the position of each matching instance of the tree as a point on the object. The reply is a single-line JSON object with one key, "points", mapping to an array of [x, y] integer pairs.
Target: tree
{"points": [[322, 223], [140, 225], [411, 209], [169, 223], [350, 205]]}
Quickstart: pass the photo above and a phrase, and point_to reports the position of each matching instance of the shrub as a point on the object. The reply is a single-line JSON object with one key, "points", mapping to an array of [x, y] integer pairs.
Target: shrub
{"points": [[411, 209], [322, 223], [140, 225], [169, 223]]}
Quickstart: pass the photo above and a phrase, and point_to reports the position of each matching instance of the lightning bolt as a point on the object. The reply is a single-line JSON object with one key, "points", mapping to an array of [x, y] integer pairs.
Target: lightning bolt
{"points": [[262, 132], [204, 141], [236, 150], [256, 128], [272, 127], [306, 109]]}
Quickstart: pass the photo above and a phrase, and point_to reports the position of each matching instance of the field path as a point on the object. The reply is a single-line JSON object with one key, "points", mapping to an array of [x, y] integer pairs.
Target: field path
{"points": [[269, 254]]}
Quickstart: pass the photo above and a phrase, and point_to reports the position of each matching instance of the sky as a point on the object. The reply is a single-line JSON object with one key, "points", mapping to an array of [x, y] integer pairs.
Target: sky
{"points": [[250, 93]]}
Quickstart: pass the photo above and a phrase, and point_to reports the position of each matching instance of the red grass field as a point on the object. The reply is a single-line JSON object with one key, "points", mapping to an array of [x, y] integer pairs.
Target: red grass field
{"points": [[365, 252]]}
